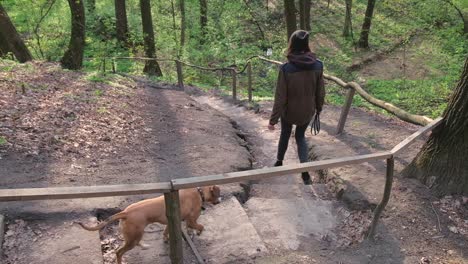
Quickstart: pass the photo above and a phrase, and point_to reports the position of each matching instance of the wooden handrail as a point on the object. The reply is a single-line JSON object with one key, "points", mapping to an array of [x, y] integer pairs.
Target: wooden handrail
{"points": [[398, 112], [50, 193], [171, 194], [30, 194], [409, 140], [232, 177]]}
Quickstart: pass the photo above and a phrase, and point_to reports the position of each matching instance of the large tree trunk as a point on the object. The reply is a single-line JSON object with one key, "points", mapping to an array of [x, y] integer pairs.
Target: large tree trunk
{"points": [[347, 30], [4, 49], [182, 26], [442, 162], [304, 14], [10, 39], [203, 18], [121, 24], [290, 15], [73, 57], [364, 39], [151, 66]]}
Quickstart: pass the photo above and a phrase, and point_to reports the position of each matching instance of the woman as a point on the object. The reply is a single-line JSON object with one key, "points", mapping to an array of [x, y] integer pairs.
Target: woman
{"points": [[300, 93]]}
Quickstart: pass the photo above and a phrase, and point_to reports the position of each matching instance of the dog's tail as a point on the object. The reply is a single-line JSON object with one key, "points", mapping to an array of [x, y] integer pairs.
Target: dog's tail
{"points": [[109, 220]]}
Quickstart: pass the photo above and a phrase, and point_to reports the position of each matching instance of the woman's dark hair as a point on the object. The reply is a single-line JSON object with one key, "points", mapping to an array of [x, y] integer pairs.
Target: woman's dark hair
{"points": [[299, 42]]}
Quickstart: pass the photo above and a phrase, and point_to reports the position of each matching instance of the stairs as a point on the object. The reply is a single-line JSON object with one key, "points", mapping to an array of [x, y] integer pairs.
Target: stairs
{"points": [[229, 235], [284, 214]]}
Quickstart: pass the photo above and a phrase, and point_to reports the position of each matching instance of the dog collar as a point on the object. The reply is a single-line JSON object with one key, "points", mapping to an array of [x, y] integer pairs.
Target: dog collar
{"points": [[200, 191]]}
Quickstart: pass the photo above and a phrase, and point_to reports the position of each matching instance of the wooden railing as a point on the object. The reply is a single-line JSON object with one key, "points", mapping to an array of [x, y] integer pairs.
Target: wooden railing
{"points": [[351, 87], [171, 189]]}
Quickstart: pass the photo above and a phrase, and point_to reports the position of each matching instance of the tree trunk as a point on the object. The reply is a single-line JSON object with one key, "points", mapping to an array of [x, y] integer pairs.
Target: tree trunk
{"points": [[465, 27], [203, 18], [4, 49], [460, 13], [364, 39], [253, 15], [307, 6], [151, 66], [10, 40], [304, 14], [121, 24], [441, 163], [290, 15], [73, 57], [347, 30], [174, 28], [182, 26]]}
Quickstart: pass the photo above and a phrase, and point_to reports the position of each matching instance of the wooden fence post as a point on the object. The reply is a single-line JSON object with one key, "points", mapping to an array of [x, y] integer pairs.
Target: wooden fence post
{"points": [[234, 84], [180, 76], [345, 110], [386, 196], [103, 65], [113, 66], [2, 233], [249, 73], [174, 224]]}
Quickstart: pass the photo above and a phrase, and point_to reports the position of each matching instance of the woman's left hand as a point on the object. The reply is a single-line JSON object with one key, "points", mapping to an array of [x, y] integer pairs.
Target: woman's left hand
{"points": [[271, 127]]}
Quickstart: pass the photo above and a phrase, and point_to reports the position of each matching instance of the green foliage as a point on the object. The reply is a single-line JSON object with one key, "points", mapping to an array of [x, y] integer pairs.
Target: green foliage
{"points": [[97, 77], [98, 92], [235, 32], [7, 65], [3, 141]]}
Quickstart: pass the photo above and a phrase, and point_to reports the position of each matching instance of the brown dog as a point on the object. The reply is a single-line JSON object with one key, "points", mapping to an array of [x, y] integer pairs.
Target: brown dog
{"points": [[137, 216]]}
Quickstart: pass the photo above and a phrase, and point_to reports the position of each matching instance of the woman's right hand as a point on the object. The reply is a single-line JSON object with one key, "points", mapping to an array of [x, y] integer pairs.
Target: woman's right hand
{"points": [[271, 127]]}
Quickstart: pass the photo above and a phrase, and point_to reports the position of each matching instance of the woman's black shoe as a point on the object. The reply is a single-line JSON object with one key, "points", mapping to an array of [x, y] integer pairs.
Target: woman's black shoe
{"points": [[306, 178], [278, 163]]}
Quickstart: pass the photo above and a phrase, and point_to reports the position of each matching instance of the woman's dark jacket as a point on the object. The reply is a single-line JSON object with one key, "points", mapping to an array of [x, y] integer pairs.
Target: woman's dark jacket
{"points": [[300, 90]]}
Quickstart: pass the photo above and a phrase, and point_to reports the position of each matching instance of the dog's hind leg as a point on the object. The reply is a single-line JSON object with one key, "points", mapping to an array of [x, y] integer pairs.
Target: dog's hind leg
{"points": [[126, 247], [132, 235]]}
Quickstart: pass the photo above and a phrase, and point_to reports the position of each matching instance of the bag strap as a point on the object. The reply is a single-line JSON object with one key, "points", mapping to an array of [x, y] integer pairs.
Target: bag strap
{"points": [[315, 126]]}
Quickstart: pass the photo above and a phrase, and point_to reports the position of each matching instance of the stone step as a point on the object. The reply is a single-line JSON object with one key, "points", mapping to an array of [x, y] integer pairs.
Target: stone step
{"points": [[229, 235], [285, 191], [50, 240], [281, 191], [283, 224], [158, 250]]}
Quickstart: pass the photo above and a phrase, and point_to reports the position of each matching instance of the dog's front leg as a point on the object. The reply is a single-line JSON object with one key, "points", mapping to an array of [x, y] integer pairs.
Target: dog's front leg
{"points": [[194, 225]]}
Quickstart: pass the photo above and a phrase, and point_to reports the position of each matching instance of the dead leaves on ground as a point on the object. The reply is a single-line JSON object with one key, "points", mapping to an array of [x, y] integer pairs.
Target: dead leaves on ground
{"points": [[49, 112], [456, 209]]}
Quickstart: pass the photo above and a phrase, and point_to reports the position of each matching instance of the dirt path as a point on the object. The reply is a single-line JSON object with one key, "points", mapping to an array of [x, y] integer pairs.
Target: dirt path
{"points": [[66, 130], [75, 132]]}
